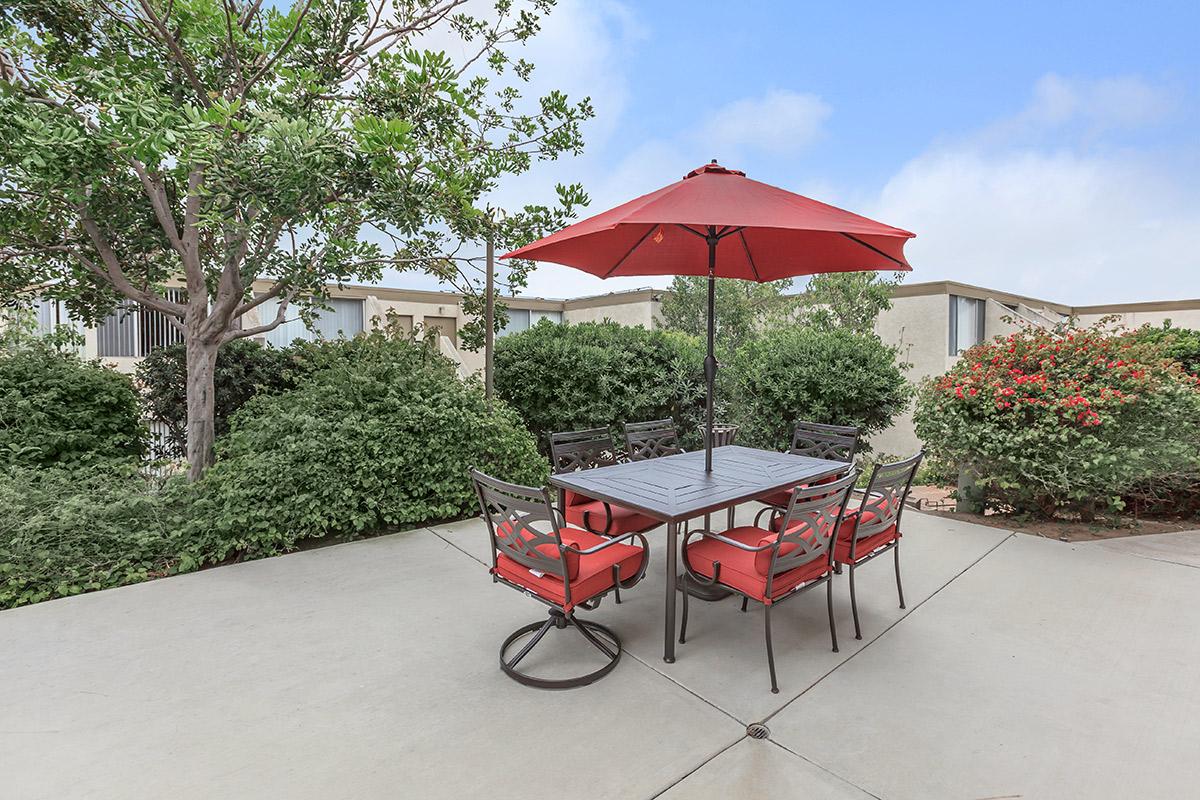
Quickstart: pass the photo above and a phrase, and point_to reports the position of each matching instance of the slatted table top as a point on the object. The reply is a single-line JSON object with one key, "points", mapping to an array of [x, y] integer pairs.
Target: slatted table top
{"points": [[675, 488]]}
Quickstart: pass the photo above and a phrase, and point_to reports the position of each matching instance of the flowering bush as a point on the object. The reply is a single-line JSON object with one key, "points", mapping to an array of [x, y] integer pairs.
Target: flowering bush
{"points": [[1063, 420]]}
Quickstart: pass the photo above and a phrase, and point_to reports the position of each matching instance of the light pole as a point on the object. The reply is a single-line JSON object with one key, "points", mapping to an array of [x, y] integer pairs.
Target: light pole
{"points": [[494, 215], [489, 318]]}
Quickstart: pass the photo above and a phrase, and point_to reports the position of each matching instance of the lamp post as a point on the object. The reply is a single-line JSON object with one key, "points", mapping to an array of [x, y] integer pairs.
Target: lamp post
{"points": [[489, 317], [494, 215]]}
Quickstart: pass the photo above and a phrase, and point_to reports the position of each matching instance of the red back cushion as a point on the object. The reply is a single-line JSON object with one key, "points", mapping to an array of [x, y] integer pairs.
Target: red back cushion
{"points": [[547, 549]]}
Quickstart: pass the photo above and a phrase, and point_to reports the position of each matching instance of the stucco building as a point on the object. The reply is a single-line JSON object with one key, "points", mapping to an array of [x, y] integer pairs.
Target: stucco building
{"points": [[930, 322]]}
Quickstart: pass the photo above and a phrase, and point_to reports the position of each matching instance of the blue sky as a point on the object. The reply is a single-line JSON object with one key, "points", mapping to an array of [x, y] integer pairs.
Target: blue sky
{"points": [[1048, 149]]}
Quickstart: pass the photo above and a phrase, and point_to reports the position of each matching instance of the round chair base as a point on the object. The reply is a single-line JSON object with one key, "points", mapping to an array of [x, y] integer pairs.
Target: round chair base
{"points": [[599, 636]]}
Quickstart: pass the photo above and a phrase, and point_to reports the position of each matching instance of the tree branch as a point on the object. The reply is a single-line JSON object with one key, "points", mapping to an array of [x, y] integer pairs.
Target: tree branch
{"points": [[257, 329], [177, 53], [113, 273], [291, 37]]}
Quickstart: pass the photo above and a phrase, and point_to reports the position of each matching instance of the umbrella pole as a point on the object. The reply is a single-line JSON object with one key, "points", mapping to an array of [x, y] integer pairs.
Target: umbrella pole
{"points": [[710, 363]]}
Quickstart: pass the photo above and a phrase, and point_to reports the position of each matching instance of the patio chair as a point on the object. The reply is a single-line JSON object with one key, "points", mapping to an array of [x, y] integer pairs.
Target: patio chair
{"points": [[571, 451], [645, 440], [874, 527], [815, 440], [565, 568], [771, 567]]}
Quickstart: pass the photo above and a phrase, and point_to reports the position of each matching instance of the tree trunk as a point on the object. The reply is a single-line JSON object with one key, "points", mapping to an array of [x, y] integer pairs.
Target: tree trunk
{"points": [[201, 366]]}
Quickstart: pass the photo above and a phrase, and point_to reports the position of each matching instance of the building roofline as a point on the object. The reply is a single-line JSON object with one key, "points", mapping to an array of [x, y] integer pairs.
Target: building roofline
{"points": [[627, 296], [981, 292]]}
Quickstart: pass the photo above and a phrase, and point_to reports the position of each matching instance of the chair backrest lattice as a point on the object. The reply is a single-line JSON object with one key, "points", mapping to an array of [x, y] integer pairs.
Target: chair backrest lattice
{"points": [[522, 524], [813, 517], [654, 439], [830, 442], [586, 449], [885, 495]]}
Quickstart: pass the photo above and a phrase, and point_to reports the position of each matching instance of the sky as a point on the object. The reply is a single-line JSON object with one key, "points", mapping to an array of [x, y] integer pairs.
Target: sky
{"points": [[1047, 149]]}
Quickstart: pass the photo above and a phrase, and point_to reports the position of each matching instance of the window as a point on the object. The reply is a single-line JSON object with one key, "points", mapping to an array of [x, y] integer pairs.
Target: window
{"points": [[132, 331], [343, 318], [51, 314], [518, 320], [966, 323]]}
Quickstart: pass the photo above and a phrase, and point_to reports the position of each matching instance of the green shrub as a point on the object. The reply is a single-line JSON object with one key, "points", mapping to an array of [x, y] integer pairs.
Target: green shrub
{"points": [[69, 530], [243, 370], [567, 377], [57, 409], [829, 375], [382, 435], [1181, 344], [1064, 420]]}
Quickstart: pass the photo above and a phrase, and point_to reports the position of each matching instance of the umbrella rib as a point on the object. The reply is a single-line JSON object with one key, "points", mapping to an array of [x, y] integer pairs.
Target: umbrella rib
{"points": [[692, 230], [750, 258], [636, 245], [873, 249]]}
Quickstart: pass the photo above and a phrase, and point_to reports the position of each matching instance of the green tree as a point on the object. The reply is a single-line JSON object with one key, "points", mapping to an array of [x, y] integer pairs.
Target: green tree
{"points": [[850, 300], [742, 308], [224, 143]]}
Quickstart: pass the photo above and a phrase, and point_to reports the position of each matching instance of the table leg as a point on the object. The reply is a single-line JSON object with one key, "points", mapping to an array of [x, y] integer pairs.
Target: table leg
{"points": [[672, 555]]}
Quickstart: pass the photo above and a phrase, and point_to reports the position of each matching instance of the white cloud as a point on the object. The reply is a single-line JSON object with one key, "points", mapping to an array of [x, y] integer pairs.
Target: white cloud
{"points": [[1073, 223], [778, 123], [1092, 107]]}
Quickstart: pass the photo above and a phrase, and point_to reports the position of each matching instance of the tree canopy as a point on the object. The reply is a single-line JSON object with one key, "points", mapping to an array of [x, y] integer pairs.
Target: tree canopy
{"points": [[255, 154]]}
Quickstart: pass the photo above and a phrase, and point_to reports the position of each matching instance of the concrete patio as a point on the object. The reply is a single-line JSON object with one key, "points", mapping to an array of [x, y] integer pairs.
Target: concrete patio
{"points": [[1022, 668]]}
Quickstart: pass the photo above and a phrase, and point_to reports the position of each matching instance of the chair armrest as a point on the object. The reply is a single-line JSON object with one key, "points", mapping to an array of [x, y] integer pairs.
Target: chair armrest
{"points": [[728, 541], [608, 520]]}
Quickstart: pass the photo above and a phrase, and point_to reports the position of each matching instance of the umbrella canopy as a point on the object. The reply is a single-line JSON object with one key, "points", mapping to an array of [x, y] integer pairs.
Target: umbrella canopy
{"points": [[719, 223]]}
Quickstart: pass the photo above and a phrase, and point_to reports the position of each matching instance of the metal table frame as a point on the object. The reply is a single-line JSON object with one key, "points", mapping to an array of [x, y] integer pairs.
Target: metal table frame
{"points": [[677, 488]]}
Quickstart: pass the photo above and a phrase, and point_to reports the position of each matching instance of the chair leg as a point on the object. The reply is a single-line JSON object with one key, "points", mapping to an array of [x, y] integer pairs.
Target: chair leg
{"points": [[731, 518], [899, 585], [532, 643], [829, 603], [770, 650], [854, 605], [683, 622], [744, 601], [616, 570]]}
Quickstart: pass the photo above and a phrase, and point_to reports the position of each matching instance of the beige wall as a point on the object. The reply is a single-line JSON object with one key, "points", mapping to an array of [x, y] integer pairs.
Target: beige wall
{"points": [[919, 326], [641, 307]]}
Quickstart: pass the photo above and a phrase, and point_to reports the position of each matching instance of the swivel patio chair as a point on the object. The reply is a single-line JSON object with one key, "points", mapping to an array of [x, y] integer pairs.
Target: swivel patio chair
{"points": [[815, 440], [645, 440], [768, 567], [874, 527], [565, 568]]}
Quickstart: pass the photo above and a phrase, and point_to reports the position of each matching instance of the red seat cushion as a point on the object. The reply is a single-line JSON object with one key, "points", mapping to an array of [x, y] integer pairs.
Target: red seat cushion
{"points": [[590, 575], [624, 520], [747, 572], [841, 552]]}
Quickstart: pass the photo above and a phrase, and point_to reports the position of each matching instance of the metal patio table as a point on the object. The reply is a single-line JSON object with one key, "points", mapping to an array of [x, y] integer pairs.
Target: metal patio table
{"points": [[677, 488]]}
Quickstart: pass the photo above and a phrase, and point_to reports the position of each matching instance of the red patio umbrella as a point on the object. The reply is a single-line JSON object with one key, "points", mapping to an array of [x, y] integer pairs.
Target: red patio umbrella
{"points": [[678, 230]]}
